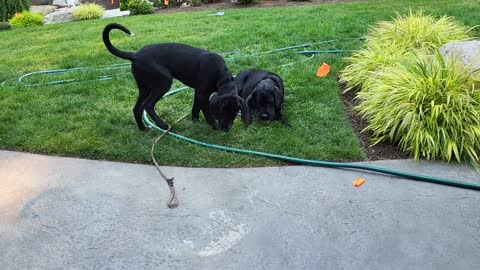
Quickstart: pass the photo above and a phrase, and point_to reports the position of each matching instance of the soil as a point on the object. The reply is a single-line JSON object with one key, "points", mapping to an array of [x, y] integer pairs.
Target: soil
{"points": [[373, 152], [228, 4]]}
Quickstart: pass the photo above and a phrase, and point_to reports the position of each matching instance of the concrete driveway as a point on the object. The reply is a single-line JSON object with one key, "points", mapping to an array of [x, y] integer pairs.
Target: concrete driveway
{"points": [[65, 213]]}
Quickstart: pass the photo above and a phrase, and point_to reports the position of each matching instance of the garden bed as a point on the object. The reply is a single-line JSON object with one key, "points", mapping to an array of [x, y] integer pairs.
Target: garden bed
{"points": [[228, 4], [378, 151]]}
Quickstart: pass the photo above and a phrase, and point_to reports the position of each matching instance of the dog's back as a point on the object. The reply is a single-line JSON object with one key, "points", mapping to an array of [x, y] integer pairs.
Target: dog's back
{"points": [[183, 62], [247, 80]]}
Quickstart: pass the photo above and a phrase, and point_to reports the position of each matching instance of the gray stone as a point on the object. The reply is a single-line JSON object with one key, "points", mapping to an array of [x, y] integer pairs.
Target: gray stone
{"points": [[43, 9], [59, 16], [68, 213], [467, 51], [66, 3], [115, 13]]}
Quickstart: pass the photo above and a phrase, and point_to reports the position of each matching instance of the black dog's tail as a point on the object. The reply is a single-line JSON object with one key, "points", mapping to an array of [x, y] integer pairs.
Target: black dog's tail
{"points": [[106, 39]]}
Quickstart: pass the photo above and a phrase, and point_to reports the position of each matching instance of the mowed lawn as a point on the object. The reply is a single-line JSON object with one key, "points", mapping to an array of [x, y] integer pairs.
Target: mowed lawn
{"points": [[94, 119]]}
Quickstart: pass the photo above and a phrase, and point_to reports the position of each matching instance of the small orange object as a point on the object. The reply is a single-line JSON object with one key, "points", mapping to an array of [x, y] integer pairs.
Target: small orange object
{"points": [[165, 2], [16, 14], [323, 70], [358, 182]]}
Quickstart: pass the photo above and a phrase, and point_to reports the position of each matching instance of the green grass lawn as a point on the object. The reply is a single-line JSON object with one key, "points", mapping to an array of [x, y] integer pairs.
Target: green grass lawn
{"points": [[95, 120]]}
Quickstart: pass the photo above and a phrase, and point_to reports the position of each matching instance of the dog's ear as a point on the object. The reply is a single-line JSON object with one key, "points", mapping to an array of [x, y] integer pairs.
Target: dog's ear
{"points": [[278, 95], [214, 103], [251, 100], [278, 91], [245, 110], [278, 81]]}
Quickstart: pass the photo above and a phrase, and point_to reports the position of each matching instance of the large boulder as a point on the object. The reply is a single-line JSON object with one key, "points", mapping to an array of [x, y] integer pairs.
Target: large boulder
{"points": [[467, 51], [44, 9], [59, 16], [65, 3]]}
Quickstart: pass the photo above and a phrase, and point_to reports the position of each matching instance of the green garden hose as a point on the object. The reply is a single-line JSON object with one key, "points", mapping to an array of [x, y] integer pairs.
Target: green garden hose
{"points": [[21, 79], [316, 163]]}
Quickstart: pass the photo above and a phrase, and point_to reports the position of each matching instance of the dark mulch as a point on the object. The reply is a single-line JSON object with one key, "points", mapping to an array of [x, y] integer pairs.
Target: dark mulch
{"points": [[227, 4], [373, 152]]}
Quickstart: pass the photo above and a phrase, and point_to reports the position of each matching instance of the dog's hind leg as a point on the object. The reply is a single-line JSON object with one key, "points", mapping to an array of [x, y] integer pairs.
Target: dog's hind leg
{"points": [[138, 108]]}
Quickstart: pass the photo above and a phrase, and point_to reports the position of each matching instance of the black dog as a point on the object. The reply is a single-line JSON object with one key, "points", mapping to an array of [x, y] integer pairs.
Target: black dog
{"points": [[155, 66], [263, 91]]}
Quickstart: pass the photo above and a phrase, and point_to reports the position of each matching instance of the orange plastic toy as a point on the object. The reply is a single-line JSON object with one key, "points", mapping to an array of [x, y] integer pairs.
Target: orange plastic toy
{"points": [[358, 182], [323, 70]]}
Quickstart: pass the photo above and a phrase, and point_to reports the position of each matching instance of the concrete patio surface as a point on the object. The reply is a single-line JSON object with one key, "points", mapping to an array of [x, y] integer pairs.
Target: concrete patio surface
{"points": [[67, 213]]}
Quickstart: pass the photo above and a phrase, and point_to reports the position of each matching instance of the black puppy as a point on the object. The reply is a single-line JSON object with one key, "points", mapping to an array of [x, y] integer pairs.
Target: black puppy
{"points": [[155, 66], [263, 91]]}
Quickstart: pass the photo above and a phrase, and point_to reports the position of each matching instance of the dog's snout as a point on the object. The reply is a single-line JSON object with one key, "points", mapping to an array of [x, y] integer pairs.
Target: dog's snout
{"points": [[226, 127], [264, 116]]}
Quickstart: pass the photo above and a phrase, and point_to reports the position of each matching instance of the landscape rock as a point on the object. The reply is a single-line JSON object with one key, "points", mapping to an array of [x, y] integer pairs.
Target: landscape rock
{"points": [[115, 13], [65, 3], [467, 51], [44, 9], [59, 16]]}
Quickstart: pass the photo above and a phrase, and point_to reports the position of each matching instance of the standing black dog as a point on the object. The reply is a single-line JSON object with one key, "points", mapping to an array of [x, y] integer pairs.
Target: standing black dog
{"points": [[155, 66], [263, 91]]}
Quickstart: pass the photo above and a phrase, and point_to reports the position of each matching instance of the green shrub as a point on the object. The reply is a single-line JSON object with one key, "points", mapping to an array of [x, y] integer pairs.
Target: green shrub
{"points": [[387, 42], [5, 26], [196, 3], [88, 12], [26, 18], [410, 96], [417, 30], [124, 5], [8, 8], [246, 2], [157, 3], [430, 107], [137, 7]]}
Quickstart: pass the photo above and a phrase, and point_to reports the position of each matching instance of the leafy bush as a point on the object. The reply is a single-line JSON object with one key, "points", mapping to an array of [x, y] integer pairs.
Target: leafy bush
{"points": [[157, 3], [26, 18], [5, 26], [431, 107], [8, 8], [196, 3], [124, 5], [246, 2], [137, 7], [409, 95], [387, 42], [88, 12]]}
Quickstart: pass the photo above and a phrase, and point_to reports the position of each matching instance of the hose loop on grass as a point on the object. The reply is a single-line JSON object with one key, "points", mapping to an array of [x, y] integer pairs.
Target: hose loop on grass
{"points": [[106, 77]]}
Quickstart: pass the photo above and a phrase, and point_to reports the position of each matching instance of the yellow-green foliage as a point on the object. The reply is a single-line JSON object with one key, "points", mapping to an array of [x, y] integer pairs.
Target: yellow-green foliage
{"points": [[387, 42], [410, 96], [88, 12], [26, 18], [429, 106], [417, 30]]}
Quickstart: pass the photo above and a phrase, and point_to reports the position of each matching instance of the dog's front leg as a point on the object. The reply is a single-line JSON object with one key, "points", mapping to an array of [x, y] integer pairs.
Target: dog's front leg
{"points": [[205, 107], [279, 116], [195, 108]]}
